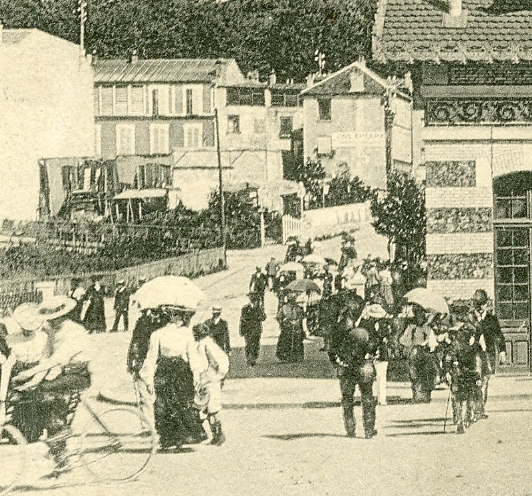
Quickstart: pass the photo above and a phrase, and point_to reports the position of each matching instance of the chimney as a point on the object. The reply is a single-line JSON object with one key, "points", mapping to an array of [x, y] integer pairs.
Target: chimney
{"points": [[134, 57], [455, 8], [310, 80], [273, 78]]}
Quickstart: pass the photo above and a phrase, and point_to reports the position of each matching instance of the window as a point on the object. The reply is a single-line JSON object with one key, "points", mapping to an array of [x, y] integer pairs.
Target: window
{"points": [[193, 135], [120, 100], [324, 108], [245, 96], [98, 140], [155, 102], [287, 125], [259, 126], [96, 97], [285, 98], [125, 139], [189, 101], [233, 124], [159, 142], [107, 101], [324, 145], [137, 100]]}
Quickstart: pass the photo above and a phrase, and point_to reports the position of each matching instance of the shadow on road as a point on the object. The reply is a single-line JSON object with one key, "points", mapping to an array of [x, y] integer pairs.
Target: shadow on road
{"points": [[301, 435], [316, 365]]}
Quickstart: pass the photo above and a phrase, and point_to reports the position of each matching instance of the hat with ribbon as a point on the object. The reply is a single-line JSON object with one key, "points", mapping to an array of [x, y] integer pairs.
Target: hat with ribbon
{"points": [[56, 306]]}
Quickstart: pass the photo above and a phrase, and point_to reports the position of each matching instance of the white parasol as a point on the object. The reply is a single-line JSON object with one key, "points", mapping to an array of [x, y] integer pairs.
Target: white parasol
{"points": [[169, 290]]}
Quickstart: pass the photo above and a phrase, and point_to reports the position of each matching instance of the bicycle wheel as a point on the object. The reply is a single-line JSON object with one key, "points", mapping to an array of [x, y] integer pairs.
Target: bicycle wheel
{"points": [[115, 445], [12, 457]]}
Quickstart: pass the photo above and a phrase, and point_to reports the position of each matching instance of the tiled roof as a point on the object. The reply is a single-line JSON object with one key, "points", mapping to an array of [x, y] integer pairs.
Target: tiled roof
{"points": [[339, 83], [157, 70], [419, 30]]}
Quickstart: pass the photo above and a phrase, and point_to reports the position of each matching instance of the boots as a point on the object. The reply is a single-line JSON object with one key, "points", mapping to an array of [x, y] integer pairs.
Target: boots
{"points": [[349, 421], [218, 437], [369, 408]]}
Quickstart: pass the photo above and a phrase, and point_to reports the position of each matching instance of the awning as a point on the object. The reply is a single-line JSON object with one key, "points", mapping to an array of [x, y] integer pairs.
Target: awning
{"points": [[130, 194]]}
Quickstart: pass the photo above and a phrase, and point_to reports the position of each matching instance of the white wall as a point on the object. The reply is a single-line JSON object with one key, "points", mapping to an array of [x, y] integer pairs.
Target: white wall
{"points": [[46, 110]]}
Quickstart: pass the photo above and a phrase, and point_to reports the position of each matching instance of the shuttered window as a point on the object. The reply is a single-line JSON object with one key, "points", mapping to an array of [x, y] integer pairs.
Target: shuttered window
{"points": [[121, 100], [159, 143], [137, 100], [107, 101], [193, 135], [125, 139]]}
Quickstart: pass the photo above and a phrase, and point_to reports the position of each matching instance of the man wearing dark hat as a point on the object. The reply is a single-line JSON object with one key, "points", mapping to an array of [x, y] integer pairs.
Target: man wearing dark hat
{"points": [[251, 319], [258, 284], [121, 305], [351, 352], [219, 330], [493, 343]]}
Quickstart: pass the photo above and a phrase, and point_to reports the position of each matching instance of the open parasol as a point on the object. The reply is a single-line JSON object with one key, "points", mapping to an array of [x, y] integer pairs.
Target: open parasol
{"points": [[427, 299], [304, 286], [292, 267], [169, 290]]}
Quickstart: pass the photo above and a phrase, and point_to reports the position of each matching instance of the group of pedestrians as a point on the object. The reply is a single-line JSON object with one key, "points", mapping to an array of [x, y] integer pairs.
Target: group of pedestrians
{"points": [[178, 371]]}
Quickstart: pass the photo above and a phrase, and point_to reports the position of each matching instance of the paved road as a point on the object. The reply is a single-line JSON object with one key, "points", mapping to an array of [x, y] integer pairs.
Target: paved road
{"points": [[284, 427]]}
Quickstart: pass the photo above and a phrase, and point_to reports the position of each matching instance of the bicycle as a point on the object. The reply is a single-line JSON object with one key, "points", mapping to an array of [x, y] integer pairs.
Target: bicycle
{"points": [[113, 446]]}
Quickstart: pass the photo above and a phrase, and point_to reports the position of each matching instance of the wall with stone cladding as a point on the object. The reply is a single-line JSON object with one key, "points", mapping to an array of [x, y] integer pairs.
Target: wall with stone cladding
{"points": [[451, 220], [459, 214]]}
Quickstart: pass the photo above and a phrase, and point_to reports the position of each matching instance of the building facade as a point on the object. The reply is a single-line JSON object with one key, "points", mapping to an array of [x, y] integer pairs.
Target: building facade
{"points": [[471, 66], [45, 104], [357, 119], [157, 108]]}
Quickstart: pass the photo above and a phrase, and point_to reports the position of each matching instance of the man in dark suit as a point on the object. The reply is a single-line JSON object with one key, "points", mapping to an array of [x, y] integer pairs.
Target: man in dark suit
{"points": [[219, 330], [494, 345], [251, 319], [258, 284], [121, 305]]}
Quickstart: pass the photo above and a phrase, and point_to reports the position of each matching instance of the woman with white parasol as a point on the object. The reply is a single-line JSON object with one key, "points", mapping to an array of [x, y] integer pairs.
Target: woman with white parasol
{"points": [[172, 365]]}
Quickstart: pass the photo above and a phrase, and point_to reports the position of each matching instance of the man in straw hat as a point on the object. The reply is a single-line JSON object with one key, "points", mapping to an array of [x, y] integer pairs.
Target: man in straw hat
{"points": [[63, 372]]}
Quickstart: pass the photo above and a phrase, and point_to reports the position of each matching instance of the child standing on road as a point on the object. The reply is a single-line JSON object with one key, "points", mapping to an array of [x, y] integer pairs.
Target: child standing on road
{"points": [[209, 390]]}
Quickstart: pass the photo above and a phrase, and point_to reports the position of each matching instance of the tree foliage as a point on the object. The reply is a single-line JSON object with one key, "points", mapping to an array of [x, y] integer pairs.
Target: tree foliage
{"points": [[400, 215], [266, 35]]}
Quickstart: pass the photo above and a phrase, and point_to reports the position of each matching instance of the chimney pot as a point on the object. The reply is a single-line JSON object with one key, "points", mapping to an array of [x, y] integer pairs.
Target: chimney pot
{"points": [[455, 8]]}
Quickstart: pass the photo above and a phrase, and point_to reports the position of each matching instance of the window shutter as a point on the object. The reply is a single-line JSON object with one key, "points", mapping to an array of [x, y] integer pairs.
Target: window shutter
{"points": [[121, 100], [137, 100], [207, 99], [96, 97], [178, 103], [107, 100]]}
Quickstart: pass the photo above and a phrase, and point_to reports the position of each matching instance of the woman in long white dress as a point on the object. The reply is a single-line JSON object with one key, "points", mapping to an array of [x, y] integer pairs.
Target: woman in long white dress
{"points": [[171, 369]]}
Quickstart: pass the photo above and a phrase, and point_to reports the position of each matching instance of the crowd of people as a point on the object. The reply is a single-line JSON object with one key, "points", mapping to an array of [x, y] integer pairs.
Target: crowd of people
{"points": [[365, 321], [363, 313]]}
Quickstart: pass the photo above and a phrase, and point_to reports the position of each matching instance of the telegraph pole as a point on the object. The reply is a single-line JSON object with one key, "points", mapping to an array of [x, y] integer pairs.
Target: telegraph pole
{"points": [[220, 185], [82, 9]]}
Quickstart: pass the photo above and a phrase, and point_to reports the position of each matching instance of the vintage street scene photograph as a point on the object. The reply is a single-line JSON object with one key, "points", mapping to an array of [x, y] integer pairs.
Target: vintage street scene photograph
{"points": [[265, 247]]}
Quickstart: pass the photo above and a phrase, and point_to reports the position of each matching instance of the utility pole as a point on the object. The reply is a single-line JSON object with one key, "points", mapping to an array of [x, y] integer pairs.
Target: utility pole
{"points": [[83, 19], [220, 186]]}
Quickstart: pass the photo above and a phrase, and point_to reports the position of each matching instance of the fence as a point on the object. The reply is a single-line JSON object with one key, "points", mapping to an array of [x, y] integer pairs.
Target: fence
{"points": [[90, 238], [329, 221], [14, 292]]}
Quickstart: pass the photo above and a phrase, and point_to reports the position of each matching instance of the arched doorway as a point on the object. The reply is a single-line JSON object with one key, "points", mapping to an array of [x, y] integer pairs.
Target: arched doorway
{"points": [[513, 235]]}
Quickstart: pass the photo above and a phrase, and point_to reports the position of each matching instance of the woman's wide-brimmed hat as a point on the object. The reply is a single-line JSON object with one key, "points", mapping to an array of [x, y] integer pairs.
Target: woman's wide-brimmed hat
{"points": [[28, 317], [56, 306]]}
